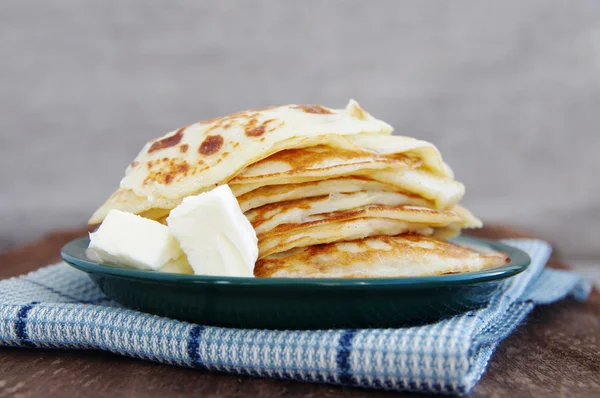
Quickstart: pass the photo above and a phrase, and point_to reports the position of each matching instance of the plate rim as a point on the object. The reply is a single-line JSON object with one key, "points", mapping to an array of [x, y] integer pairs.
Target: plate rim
{"points": [[519, 262]]}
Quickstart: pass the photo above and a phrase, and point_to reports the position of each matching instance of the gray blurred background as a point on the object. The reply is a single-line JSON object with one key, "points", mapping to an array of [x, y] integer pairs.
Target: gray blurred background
{"points": [[509, 91]]}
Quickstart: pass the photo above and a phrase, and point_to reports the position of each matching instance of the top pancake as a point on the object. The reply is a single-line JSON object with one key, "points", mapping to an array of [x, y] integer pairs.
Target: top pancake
{"points": [[211, 152]]}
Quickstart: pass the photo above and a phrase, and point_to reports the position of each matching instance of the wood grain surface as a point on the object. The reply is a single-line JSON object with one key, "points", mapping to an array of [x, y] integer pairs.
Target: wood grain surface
{"points": [[554, 353]]}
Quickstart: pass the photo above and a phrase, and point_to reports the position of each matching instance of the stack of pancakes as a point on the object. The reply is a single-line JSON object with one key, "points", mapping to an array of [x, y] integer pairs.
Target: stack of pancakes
{"points": [[330, 193]]}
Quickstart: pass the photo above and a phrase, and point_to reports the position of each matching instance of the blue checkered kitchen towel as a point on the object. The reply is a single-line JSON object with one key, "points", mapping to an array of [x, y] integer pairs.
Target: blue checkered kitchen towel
{"points": [[59, 307]]}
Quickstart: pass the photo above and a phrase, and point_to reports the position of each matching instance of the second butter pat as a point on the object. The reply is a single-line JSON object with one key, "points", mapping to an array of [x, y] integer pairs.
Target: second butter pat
{"points": [[214, 234]]}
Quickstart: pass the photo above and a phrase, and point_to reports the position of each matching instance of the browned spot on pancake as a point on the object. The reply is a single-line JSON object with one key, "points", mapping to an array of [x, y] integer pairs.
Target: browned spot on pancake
{"points": [[255, 132], [211, 145], [133, 164], [183, 168], [235, 144], [168, 141], [252, 130], [250, 124], [175, 171], [183, 148], [167, 172], [149, 164], [317, 109]]}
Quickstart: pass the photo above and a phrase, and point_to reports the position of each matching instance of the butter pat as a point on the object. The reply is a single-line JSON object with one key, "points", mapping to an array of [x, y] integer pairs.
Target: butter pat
{"points": [[214, 234], [130, 240]]}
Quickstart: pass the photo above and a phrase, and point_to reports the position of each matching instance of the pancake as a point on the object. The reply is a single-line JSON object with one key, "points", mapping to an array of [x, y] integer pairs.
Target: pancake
{"points": [[340, 226], [427, 153], [469, 220], [378, 257], [267, 218], [211, 152], [315, 163], [337, 231], [125, 200], [285, 192], [444, 193]]}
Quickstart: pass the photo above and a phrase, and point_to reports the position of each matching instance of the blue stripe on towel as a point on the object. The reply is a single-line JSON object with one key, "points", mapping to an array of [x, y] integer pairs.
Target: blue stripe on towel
{"points": [[21, 324], [343, 356], [193, 345]]}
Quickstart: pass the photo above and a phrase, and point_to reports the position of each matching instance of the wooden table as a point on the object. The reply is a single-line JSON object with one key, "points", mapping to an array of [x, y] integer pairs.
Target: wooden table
{"points": [[556, 352]]}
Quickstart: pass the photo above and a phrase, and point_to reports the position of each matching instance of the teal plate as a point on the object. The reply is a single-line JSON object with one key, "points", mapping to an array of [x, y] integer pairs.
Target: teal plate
{"points": [[284, 303]]}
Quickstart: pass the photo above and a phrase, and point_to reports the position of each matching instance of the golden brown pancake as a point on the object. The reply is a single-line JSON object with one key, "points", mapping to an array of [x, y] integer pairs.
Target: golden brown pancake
{"points": [[337, 231], [444, 193], [378, 257], [196, 157], [268, 217], [317, 162], [353, 224], [282, 193], [411, 147]]}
